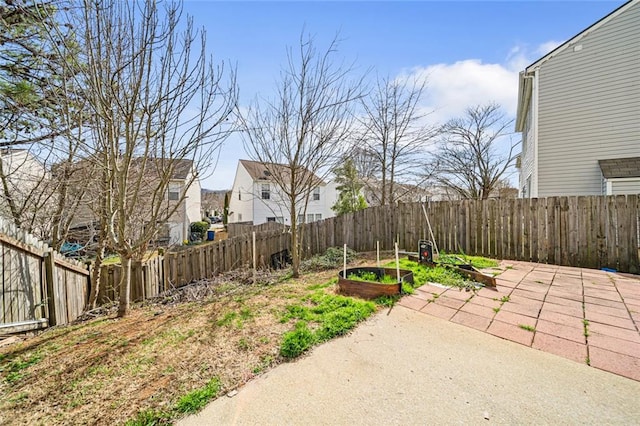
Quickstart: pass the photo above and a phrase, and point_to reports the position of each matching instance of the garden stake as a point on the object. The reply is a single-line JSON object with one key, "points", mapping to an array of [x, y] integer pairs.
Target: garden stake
{"points": [[254, 257], [398, 267], [344, 271], [433, 238]]}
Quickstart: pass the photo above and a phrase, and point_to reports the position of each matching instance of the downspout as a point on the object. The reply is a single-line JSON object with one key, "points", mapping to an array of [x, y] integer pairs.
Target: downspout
{"points": [[534, 120]]}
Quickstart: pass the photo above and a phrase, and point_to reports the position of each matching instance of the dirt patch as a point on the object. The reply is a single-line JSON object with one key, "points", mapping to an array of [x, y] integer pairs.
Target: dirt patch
{"points": [[105, 370]]}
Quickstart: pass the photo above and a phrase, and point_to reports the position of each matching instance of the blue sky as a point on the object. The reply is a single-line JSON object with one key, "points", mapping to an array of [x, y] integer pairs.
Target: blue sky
{"points": [[470, 52]]}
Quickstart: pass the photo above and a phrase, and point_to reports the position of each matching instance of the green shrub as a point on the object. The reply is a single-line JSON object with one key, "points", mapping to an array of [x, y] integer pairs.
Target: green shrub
{"points": [[331, 259], [199, 229], [297, 341]]}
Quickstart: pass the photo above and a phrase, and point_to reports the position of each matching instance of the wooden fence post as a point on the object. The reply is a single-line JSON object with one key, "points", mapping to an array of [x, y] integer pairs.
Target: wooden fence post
{"points": [[51, 277]]}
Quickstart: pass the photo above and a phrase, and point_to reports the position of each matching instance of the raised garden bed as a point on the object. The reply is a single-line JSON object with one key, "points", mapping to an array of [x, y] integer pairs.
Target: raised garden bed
{"points": [[464, 269], [370, 282]]}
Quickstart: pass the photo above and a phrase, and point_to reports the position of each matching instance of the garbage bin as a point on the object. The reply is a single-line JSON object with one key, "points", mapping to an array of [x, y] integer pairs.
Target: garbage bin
{"points": [[211, 235]]}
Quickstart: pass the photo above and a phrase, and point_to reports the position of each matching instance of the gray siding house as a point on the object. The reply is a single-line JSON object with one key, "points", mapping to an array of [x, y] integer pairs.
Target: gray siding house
{"points": [[579, 112]]}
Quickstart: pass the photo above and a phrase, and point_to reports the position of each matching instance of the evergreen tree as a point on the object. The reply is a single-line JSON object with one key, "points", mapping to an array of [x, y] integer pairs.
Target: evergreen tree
{"points": [[350, 186]]}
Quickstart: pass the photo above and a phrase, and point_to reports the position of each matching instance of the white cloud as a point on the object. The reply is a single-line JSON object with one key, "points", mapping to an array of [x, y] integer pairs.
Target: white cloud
{"points": [[547, 47], [451, 88]]}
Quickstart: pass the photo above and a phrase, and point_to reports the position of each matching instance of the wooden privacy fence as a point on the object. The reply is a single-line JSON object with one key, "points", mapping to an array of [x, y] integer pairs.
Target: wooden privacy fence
{"points": [[177, 268], [243, 228], [40, 287], [590, 232]]}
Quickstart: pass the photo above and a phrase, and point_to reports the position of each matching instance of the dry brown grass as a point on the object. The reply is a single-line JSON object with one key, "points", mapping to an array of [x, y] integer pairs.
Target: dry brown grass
{"points": [[105, 370]]}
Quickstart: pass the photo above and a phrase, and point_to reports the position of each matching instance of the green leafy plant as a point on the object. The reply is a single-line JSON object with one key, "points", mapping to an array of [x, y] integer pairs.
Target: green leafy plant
{"points": [[331, 315], [297, 341], [527, 327], [372, 277], [585, 323], [461, 258], [195, 400], [331, 259], [199, 229]]}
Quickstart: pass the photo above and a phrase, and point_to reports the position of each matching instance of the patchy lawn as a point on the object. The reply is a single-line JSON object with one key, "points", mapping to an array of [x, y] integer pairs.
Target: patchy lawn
{"points": [[170, 357], [174, 354]]}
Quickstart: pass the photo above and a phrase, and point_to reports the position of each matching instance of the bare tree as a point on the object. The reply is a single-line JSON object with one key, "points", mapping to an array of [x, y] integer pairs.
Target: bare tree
{"points": [[468, 159], [40, 117], [159, 107], [393, 142], [297, 134]]}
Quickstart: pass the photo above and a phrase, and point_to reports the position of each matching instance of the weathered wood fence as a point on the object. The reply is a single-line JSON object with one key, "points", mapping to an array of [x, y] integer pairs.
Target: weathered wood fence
{"points": [[590, 232], [40, 287], [177, 268], [243, 228]]}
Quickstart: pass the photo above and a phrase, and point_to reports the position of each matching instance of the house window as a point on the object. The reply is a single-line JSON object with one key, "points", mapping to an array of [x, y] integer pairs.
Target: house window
{"points": [[316, 194], [239, 217], [277, 219], [174, 192], [239, 196], [318, 216], [310, 217], [266, 191], [300, 218], [271, 219]]}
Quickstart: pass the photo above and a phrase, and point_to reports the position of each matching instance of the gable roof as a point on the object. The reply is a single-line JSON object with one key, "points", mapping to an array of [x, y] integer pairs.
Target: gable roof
{"points": [[573, 40], [620, 167], [263, 171], [181, 167], [525, 85]]}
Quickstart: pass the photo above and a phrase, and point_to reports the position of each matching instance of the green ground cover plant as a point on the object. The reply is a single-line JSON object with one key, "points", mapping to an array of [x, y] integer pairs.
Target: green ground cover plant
{"points": [[372, 277], [478, 262], [321, 317], [189, 403], [332, 258]]}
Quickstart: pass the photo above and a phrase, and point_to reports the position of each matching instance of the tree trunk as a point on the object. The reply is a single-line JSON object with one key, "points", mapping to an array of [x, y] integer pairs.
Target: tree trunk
{"points": [[95, 274], [125, 286], [295, 251]]}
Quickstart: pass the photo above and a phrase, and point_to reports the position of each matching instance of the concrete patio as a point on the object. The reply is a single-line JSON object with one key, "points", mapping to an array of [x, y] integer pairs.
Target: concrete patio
{"points": [[586, 315]]}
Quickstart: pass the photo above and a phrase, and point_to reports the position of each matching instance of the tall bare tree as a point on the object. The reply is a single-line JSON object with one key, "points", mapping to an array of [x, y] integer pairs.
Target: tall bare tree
{"points": [[299, 132], [159, 108], [469, 159], [394, 138]]}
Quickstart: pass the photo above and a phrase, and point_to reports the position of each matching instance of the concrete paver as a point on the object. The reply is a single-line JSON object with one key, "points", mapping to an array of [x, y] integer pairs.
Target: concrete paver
{"points": [[584, 315]]}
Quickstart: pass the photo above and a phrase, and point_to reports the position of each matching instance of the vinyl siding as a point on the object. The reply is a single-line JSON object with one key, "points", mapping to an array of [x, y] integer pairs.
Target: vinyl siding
{"points": [[589, 107], [625, 186]]}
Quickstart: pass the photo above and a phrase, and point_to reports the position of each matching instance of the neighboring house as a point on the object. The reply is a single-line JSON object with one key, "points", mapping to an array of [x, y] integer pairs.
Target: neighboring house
{"points": [[177, 227], [256, 198], [190, 210], [26, 183], [579, 112]]}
